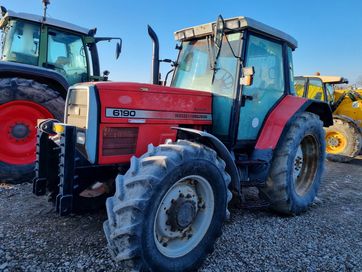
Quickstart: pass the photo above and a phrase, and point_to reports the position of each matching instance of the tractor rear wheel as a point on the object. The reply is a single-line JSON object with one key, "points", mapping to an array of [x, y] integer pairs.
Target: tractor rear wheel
{"points": [[343, 141], [168, 208], [297, 166], [22, 102]]}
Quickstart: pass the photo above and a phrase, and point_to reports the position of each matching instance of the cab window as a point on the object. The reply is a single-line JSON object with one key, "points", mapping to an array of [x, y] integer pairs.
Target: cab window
{"points": [[66, 53], [315, 89], [21, 42], [299, 85], [330, 92]]}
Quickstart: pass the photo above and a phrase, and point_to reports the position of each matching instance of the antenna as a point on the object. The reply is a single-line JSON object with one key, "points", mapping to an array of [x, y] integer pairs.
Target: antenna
{"points": [[45, 6]]}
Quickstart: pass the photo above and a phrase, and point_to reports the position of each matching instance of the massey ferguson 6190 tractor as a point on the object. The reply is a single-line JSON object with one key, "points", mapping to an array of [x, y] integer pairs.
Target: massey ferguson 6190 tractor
{"points": [[343, 139], [40, 58], [229, 120]]}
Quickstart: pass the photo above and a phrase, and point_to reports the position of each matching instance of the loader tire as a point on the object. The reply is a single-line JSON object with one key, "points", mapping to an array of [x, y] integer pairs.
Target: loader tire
{"points": [[22, 102], [343, 141], [297, 166], [168, 208]]}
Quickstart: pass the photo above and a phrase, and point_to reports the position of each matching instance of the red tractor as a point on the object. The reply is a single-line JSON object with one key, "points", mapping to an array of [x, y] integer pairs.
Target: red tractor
{"points": [[230, 120]]}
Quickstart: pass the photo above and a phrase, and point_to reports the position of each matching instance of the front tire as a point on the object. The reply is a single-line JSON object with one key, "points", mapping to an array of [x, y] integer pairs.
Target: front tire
{"points": [[22, 102], [297, 166], [168, 208], [343, 141]]}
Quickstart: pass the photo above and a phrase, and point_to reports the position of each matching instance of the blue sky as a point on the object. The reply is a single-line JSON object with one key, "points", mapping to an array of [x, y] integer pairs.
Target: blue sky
{"points": [[329, 33]]}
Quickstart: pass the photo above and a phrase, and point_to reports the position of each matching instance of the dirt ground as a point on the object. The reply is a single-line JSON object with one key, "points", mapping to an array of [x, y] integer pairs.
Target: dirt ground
{"points": [[326, 238]]}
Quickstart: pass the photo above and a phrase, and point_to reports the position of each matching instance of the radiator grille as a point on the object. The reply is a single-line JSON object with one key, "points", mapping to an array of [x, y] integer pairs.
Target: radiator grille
{"points": [[119, 141]]}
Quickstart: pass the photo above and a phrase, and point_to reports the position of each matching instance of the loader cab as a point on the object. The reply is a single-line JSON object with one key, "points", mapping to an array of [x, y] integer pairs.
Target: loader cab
{"points": [[247, 72], [317, 87], [53, 44]]}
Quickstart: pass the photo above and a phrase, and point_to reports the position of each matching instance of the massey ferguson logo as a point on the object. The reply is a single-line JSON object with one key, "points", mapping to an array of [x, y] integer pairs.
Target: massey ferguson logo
{"points": [[144, 114]]}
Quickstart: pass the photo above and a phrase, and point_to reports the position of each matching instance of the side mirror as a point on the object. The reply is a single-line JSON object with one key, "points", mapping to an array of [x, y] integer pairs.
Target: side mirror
{"points": [[118, 48], [3, 11], [248, 75], [219, 33]]}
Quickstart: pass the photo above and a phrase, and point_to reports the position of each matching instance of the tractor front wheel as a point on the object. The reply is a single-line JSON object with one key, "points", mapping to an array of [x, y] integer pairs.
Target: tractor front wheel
{"points": [[22, 102], [168, 208], [343, 141], [297, 166]]}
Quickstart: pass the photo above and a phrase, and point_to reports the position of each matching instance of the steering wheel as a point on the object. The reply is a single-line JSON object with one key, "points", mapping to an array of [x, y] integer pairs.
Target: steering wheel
{"points": [[224, 80]]}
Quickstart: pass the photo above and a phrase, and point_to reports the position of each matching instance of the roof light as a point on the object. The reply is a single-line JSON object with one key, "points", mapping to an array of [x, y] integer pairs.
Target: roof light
{"points": [[180, 36], [233, 24], [189, 33]]}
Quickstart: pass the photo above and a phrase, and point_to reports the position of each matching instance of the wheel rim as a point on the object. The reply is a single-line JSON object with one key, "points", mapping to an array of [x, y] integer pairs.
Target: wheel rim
{"points": [[18, 130], [183, 216], [336, 142], [305, 165]]}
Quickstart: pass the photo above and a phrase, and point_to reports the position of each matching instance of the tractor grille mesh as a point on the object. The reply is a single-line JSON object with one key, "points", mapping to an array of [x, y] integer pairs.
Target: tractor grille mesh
{"points": [[119, 141]]}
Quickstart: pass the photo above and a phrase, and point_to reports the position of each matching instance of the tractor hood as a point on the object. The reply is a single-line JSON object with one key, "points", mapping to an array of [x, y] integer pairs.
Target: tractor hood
{"points": [[152, 103]]}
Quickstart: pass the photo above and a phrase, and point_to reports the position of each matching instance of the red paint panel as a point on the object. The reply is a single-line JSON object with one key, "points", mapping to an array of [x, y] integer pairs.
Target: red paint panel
{"points": [[277, 120], [152, 98], [161, 107]]}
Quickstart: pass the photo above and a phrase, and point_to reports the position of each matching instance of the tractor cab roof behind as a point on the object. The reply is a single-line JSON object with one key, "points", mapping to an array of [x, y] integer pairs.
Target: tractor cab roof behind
{"points": [[235, 24], [39, 19], [330, 79]]}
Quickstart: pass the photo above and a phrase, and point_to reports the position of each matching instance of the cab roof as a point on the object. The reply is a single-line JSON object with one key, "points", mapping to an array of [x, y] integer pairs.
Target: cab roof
{"points": [[330, 79], [235, 24], [39, 19]]}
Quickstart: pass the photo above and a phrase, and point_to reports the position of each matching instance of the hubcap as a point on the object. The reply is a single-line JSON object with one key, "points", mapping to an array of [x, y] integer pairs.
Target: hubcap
{"points": [[183, 216], [305, 165], [336, 142], [18, 130]]}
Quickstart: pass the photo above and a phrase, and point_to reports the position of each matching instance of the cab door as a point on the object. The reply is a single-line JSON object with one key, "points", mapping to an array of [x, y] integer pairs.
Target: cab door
{"points": [[266, 56]]}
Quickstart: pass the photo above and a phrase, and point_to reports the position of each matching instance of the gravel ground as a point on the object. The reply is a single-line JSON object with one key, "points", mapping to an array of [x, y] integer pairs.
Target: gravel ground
{"points": [[326, 238]]}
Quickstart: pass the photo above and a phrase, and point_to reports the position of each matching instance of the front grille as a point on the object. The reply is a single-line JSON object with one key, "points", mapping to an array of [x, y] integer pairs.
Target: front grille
{"points": [[119, 141], [77, 108]]}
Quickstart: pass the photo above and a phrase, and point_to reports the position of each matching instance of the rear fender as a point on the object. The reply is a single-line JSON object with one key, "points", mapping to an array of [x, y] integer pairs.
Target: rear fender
{"points": [[44, 76], [322, 109], [279, 120], [214, 143]]}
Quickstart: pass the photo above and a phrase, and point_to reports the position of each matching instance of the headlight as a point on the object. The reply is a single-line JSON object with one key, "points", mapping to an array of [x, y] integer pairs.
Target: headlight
{"points": [[58, 128], [81, 138]]}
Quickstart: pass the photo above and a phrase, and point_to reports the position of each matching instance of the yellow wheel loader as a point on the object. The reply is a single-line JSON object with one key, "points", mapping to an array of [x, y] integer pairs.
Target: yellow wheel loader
{"points": [[343, 139]]}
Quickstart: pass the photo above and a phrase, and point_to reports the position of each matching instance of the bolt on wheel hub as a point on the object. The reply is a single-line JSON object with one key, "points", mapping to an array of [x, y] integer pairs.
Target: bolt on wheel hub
{"points": [[182, 212], [20, 131]]}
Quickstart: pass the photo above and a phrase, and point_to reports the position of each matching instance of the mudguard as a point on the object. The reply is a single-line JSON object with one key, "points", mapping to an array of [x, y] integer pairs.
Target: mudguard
{"points": [[42, 75], [213, 142]]}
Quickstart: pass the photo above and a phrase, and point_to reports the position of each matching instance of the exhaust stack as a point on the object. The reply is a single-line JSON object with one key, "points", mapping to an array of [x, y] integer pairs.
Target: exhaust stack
{"points": [[155, 72]]}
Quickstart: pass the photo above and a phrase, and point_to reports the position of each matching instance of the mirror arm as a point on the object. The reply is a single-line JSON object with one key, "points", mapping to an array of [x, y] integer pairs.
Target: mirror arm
{"points": [[99, 39]]}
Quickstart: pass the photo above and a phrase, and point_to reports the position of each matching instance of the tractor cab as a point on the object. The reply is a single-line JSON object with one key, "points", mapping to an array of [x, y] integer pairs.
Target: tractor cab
{"points": [[46, 42], [246, 65]]}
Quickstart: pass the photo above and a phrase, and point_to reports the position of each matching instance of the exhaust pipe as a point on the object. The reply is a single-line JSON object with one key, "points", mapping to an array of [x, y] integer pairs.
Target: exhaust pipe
{"points": [[155, 72]]}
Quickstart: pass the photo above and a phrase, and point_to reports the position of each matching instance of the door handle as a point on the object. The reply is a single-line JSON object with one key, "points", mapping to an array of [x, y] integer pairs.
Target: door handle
{"points": [[244, 98]]}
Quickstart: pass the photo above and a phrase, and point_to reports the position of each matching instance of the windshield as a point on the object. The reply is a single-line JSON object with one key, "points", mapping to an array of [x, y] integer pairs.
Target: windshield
{"points": [[194, 70], [21, 42]]}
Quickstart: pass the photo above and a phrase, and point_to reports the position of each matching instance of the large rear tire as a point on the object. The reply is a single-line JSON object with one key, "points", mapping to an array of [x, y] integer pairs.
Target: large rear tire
{"points": [[168, 208], [297, 166], [22, 102], [343, 141]]}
